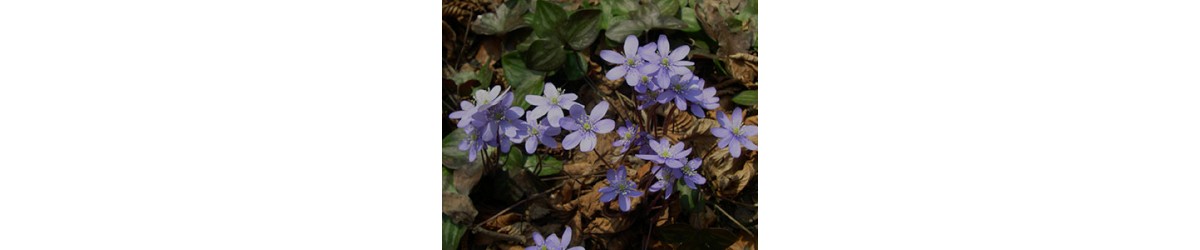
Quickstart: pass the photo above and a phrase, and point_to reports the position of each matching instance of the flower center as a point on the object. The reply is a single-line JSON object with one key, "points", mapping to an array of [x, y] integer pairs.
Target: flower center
{"points": [[678, 87], [689, 171], [544, 247], [665, 61], [553, 100], [587, 126], [736, 130], [629, 61], [645, 78], [533, 130], [664, 154], [628, 135]]}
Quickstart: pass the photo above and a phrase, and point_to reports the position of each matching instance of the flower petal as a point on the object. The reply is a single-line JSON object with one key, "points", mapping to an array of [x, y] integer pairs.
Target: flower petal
{"points": [[604, 126], [588, 143], [607, 196], [537, 238], [663, 45], [749, 130], [538, 111], [555, 117], [680, 53], [612, 57], [566, 237], [631, 45], [720, 132], [598, 111], [747, 143], [616, 72], [624, 202], [572, 140], [735, 148], [531, 144]]}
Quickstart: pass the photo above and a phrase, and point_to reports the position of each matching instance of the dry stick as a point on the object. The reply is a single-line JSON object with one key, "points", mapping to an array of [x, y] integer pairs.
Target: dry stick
{"points": [[735, 221], [499, 235]]}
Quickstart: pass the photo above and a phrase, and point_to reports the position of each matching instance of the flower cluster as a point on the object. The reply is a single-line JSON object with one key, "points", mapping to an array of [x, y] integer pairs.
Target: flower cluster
{"points": [[552, 242], [492, 121], [660, 75]]}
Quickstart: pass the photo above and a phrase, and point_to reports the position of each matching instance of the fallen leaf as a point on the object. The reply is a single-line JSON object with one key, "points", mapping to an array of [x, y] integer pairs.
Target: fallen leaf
{"points": [[459, 207]]}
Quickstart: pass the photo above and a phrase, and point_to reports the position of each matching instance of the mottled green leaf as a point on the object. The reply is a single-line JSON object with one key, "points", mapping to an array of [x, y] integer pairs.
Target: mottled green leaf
{"points": [[581, 29], [748, 98], [550, 165], [575, 66], [502, 21], [452, 157], [667, 7], [451, 233], [544, 55], [523, 81], [515, 159], [688, 15], [546, 18]]}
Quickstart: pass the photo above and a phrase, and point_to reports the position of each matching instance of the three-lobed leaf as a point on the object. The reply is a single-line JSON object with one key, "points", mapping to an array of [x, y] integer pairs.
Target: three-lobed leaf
{"points": [[524, 81], [544, 55], [581, 29], [546, 18], [502, 21]]}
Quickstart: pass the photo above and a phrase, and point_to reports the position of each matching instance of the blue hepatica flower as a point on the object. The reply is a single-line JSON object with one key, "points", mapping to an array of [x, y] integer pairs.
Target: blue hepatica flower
{"points": [[552, 242], [691, 177], [665, 153], [680, 89], [666, 60], [666, 180], [464, 115], [620, 188], [627, 63], [472, 143], [732, 134], [627, 135], [552, 102], [584, 127], [499, 121], [707, 99], [539, 131]]}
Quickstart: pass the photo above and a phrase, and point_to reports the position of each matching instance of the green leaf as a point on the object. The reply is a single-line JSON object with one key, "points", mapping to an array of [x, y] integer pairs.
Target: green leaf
{"points": [[452, 157], [544, 55], [624, 28], [502, 21], [688, 14], [451, 233], [575, 66], [748, 98], [667, 7], [621, 7], [515, 160], [448, 181], [522, 80], [690, 199], [550, 165], [546, 18], [581, 29]]}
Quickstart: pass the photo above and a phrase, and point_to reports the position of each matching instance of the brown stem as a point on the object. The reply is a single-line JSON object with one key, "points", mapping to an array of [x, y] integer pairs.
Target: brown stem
{"points": [[735, 221]]}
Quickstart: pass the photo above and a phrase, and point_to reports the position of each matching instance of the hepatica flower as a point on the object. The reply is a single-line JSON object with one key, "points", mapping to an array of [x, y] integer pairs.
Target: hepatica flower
{"points": [[690, 175], [666, 60], [665, 153], [552, 102], [666, 180], [539, 131], [627, 63], [707, 99], [627, 135], [584, 127], [732, 134], [464, 115], [620, 188], [679, 89], [499, 122], [472, 143], [552, 242]]}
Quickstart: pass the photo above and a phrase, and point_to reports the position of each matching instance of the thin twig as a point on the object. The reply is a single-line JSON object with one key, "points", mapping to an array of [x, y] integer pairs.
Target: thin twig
{"points": [[507, 237], [735, 221], [514, 205]]}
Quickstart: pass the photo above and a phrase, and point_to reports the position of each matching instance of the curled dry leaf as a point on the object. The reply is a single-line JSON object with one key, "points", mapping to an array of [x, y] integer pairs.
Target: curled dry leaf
{"points": [[503, 221], [744, 67], [702, 218], [745, 242], [518, 229], [465, 178], [459, 208]]}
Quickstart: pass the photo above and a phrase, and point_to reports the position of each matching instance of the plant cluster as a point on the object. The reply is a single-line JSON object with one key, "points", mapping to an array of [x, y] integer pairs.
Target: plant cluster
{"points": [[620, 138]]}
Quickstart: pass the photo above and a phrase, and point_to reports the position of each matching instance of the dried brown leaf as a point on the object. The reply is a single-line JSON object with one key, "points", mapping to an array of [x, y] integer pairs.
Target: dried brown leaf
{"points": [[459, 207], [744, 242], [609, 225], [465, 178]]}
